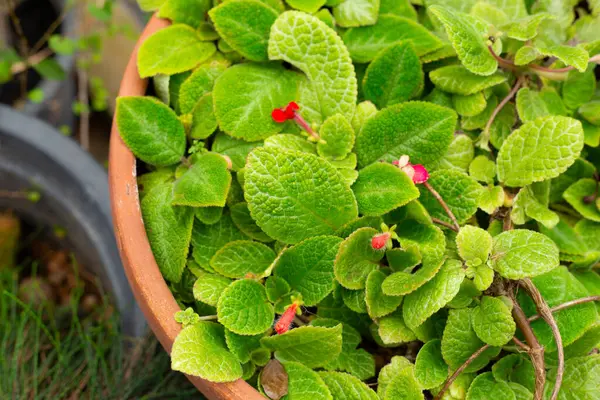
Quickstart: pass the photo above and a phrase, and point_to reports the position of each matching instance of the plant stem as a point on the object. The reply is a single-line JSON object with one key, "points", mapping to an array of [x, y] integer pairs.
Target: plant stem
{"points": [[444, 223], [23, 43], [82, 89], [546, 314], [208, 318], [298, 321], [504, 63], [32, 60], [460, 370], [594, 59], [443, 204], [536, 351], [567, 304], [304, 125], [521, 344]]}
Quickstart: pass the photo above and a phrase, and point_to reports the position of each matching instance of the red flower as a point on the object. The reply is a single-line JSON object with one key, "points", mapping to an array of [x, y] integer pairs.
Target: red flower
{"points": [[416, 172], [281, 115], [379, 241], [285, 322]]}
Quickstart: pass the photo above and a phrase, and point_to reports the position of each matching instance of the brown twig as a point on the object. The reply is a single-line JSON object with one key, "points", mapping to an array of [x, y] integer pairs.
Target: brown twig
{"points": [[521, 344], [444, 223], [594, 59], [546, 314], [40, 43], [33, 60], [567, 304], [460, 370], [443, 204], [536, 351], [504, 63], [23, 43]]}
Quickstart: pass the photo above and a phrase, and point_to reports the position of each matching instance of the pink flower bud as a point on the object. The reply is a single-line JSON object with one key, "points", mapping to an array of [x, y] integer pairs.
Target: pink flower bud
{"points": [[284, 323], [380, 241]]}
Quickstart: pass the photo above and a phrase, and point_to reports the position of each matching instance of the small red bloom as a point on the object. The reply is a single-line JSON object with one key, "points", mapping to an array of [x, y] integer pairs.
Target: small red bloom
{"points": [[284, 323], [287, 113], [279, 115], [421, 175], [379, 241], [417, 172], [291, 109]]}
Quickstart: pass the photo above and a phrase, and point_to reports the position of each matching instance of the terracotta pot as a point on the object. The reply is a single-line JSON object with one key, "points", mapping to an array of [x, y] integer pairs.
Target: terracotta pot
{"points": [[145, 279]]}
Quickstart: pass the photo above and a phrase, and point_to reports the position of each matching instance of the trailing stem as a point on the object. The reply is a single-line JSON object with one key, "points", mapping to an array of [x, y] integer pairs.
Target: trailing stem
{"points": [[567, 304], [444, 223], [443, 204], [460, 370], [546, 314]]}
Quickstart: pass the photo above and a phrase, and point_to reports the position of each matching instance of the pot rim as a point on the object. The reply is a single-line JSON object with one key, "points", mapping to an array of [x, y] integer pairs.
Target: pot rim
{"points": [[146, 281]]}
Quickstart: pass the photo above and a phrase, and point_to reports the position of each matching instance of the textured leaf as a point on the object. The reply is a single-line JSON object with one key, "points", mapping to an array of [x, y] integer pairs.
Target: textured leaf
{"points": [[575, 195], [276, 288], [566, 238], [245, 26], [338, 134], [151, 130], [420, 130], [50, 69], [459, 80], [364, 112], [240, 258], [347, 387], [209, 287], [314, 48], [198, 84], [171, 50], [393, 330], [243, 220], [468, 36], [459, 191], [521, 253], [205, 184], [539, 150], [259, 89], [169, 229], [526, 28], [469, 105], [237, 150], [290, 142], [433, 295], [480, 120], [294, 196], [404, 386], [308, 6], [356, 258], [532, 104], [366, 42], [200, 350], [189, 12], [354, 300], [359, 363], [308, 267], [460, 342], [401, 8], [351, 13], [381, 187], [394, 76], [580, 379], [492, 321], [430, 368], [350, 336], [459, 154], [243, 308], [490, 198], [204, 122], [378, 303], [304, 383], [483, 169], [575, 56], [484, 386], [578, 88], [242, 346], [527, 202], [387, 373], [208, 239], [312, 346]]}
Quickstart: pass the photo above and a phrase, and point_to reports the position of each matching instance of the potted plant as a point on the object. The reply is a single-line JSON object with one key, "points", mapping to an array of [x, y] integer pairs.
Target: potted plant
{"points": [[360, 199]]}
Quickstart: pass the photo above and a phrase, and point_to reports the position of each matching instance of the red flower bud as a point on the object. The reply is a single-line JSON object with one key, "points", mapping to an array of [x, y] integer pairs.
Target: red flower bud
{"points": [[279, 115], [285, 321], [421, 175], [379, 241]]}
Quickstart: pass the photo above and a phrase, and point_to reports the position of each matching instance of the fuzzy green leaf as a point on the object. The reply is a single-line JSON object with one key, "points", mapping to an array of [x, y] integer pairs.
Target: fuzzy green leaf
{"points": [[353, 13], [312, 346], [474, 245], [356, 258], [338, 134], [490, 198], [484, 386], [169, 230], [404, 386], [354, 300], [240, 258], [243, 220], [430, 368], [237, 150], [469, 105], [579, 87], [483, 169], [366, 42], [259, 89], [539, 150], [576, 196], [459, 154], [151, 130], [347, 387], [290, 142], [580, 379], [294, 196], [171, 50], [574, 56], [209, 287], [393, 330], [591, 112], [242, 346], [389, 371], [378, 303], [364, 112], [189, 12], [200, 350], [420, 130], [205, 184], [198, 84], [314, 48], [308, 267], [492, 321], [308, 6], [204, 122], [521, 253], [526, 28], [208, 239], [459, 80], [304, 383], [244, 309]]}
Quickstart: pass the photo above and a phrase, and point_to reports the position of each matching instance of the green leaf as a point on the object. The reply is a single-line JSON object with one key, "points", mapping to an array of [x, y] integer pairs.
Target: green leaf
{"points": [[356, 258], [460, 342], [576, 195], [580, 379], [208, 239], [242, 346], [200, 350], [459, 191], [312, 346], [364, 112], [304, 383], [430, 368], [401, 8], [288, 211], [151, 130], [539, 150], [243, 220], [245, 26], [490, 198], [204, 122], [468, 36], [532, 104], [169, 230], [189, 12], [393, 330], [480, 120], [591, 112], [574, 56], [492, 321], [566, 238], [308, 267], [389, 371], [394, 76], [484, 386], [459, 154], [526, 28], [150, 5], [205, 184], [199, 84], [527, 202], [352, 13], [350, 337], [290, 142], [308, 6], [240, 258], [359, 363], [433, 295], [314, 48], [420, 130], [244, 309], [381, 188], [578, 88], [63, 45], [515, 368], [459, 80], [354, 300], [171, 50], [474, 245], [347, 387], [209, 287], [50, 69], [364, 43], [521, 253], [237, 150], [338, 135], [276, 288], [259, 89], [378, 303], [469, 105], [483, 169], [404, 386], [526, 54]]}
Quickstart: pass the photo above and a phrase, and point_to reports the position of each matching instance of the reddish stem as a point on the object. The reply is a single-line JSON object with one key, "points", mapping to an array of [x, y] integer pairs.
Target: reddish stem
{"points": [[304, 125], [443, 204]]}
